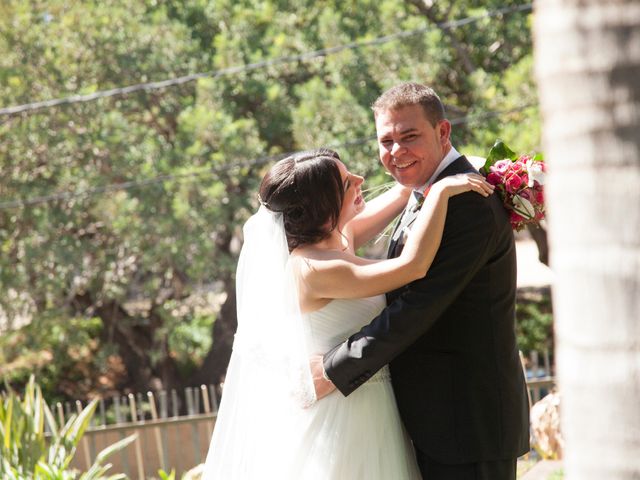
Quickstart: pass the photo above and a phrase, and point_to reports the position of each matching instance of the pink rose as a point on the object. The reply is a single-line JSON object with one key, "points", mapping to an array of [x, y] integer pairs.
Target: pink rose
{"points": [[513, 183], [501, 167]]}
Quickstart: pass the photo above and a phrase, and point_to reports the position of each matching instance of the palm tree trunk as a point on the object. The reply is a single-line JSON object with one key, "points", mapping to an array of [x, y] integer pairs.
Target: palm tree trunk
{"points": [[588, 70]]}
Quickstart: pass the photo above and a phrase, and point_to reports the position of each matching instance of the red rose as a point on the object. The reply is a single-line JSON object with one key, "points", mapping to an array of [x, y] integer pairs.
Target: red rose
{"points": [[516, 220], [526, 193], [494, 178], [518, 167], [513, 183]]}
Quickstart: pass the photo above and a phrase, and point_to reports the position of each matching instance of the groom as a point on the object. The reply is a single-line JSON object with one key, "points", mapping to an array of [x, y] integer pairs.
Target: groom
{"points": [[449, 337]]}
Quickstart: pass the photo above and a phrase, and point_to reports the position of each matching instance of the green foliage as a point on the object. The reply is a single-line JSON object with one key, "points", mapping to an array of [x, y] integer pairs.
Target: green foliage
{"points": [[557, 475], [534, 325], [499, 151], [27, 452], [139, 259], [71, 342], [167, 476]]}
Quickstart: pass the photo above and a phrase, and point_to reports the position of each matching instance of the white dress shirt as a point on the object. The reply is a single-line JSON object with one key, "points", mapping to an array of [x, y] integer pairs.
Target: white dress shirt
{"points": [[448, 159]]}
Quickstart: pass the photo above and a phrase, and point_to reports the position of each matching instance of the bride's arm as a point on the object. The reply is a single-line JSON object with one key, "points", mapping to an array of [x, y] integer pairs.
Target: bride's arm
{"points": [[347, 276], [377, 214]]}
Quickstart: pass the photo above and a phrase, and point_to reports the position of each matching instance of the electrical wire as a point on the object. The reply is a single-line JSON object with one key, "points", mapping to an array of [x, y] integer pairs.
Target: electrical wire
{"points": [[150, 86], [21, 203]]}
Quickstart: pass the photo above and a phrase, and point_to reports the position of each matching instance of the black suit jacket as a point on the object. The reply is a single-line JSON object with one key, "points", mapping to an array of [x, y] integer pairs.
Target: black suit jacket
{"points": [[450, 341]]}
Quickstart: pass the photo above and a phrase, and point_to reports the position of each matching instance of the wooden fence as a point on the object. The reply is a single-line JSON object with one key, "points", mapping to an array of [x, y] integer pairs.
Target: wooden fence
{"points": [[174, 430], [539, 374]]}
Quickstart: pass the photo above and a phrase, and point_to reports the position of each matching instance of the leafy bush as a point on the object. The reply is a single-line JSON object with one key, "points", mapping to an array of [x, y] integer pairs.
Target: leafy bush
{"points": [[28, 452], [74, 343], [534, 320]]}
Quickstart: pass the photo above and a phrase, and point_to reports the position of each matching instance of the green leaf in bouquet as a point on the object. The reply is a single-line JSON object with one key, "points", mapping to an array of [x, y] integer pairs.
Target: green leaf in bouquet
{"points": [[499, 151]]}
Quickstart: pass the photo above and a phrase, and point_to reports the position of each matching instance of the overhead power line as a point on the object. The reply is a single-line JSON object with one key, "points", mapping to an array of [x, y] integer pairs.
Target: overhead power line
{"points": [[21, 203], [150, 86]]}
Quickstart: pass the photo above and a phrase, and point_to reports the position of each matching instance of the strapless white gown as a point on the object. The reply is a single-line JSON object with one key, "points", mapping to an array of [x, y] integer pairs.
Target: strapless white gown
{"points": [[359, 437]]}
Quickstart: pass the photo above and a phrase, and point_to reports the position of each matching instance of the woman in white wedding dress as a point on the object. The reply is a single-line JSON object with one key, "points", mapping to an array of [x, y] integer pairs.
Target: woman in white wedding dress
{"points": [[301, 289]]}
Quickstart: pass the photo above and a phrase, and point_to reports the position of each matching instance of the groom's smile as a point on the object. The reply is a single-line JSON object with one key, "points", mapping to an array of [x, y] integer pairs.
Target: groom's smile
{"points": [[402, 165], [410, 147]]}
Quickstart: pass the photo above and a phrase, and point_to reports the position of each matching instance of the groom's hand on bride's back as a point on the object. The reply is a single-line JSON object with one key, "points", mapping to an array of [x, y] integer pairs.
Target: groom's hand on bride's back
{"points": [[321, 382]]}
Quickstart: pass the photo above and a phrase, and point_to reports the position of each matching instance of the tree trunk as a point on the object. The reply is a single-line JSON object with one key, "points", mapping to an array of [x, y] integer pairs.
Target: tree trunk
{"points": [[215, 363], [134, 342], [214, 366], [429, 11], [539, 235], [588, 67]]}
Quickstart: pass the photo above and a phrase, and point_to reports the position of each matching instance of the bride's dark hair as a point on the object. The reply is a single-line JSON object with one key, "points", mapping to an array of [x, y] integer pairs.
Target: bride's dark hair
{"points": [[307, 189]]}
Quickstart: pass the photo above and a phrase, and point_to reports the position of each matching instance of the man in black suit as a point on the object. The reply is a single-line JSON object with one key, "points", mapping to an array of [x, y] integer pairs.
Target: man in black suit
{"points": [[450, 336]]}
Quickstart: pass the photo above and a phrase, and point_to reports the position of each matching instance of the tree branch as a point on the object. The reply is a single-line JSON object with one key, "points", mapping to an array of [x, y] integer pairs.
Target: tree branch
{"points": [[427, 8]]}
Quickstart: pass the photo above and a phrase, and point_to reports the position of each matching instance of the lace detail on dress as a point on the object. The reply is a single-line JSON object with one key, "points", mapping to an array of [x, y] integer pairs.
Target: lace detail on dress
{"points": [[302, 390], [382, 375]]}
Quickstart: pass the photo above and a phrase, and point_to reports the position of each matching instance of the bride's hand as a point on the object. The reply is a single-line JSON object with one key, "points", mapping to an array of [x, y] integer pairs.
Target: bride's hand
{"points": [[464, 182], [321, 382]]}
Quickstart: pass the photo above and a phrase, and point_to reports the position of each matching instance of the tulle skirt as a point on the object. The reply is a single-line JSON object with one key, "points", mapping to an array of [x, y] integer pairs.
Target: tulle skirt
{"points": [[356, 437]]}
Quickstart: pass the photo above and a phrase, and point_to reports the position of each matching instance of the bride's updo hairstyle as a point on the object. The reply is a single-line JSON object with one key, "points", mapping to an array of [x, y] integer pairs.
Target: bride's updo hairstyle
{"points": [[307, 189]]}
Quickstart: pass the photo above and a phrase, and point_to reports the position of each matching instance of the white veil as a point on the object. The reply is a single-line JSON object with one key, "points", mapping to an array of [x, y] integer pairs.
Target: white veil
{"points": [[268, 382]]}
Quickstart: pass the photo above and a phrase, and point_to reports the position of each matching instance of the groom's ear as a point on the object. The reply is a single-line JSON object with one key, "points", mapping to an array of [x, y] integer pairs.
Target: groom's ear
{"points": [[444, 132]]}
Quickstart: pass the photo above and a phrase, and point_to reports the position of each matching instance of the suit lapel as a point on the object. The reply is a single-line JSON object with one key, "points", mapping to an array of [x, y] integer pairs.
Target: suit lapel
{"points": [[392, 242], [401, 228]]}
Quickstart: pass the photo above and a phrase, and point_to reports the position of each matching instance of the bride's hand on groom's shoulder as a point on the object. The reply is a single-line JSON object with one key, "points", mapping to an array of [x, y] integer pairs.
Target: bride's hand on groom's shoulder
{"points": [[464, 182], [321, 382]]}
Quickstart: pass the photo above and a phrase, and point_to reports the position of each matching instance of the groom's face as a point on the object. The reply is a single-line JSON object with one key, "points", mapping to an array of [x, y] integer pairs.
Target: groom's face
{"points": [[410, 147]]}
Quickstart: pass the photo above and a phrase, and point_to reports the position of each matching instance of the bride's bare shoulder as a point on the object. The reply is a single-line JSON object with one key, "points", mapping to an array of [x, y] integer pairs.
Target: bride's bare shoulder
{"points": [[311, 260], [308, 260], [311, 252]]}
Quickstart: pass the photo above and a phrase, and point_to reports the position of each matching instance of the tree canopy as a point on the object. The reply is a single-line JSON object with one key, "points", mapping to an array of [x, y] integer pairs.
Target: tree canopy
{"points": [[128, 282]]}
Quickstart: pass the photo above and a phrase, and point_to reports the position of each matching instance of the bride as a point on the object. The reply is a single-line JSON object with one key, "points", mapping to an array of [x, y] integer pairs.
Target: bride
{"points": [[301, 289]]}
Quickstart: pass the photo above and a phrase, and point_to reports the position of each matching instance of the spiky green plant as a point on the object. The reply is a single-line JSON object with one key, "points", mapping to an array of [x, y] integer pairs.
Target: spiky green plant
{"points": [[28, 452]]}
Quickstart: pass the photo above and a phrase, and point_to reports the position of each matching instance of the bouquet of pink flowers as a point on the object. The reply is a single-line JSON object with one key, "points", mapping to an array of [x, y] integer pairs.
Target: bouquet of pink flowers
{"points": [[519, 180]]}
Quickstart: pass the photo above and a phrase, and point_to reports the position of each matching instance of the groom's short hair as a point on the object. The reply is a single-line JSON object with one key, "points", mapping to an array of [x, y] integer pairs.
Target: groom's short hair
{"points": [[410, 93]]}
